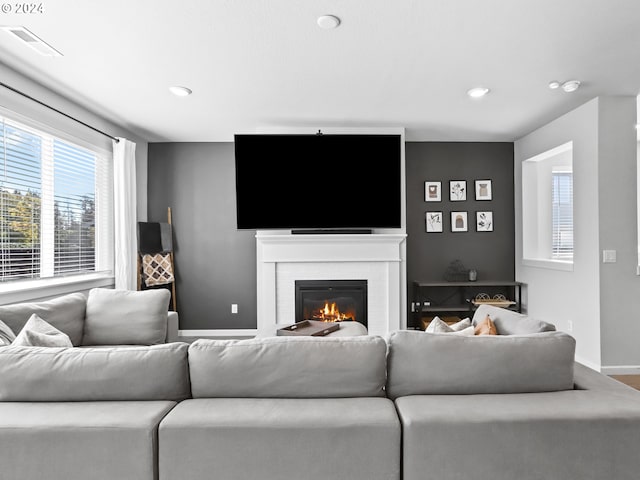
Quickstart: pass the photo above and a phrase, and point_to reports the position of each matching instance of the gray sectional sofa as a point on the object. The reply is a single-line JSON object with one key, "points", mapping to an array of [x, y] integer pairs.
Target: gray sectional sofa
{"points": [[410, 406]]}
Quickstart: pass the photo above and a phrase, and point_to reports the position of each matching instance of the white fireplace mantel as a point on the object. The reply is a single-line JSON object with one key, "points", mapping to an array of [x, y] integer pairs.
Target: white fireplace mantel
{"points": [[378, 258]]}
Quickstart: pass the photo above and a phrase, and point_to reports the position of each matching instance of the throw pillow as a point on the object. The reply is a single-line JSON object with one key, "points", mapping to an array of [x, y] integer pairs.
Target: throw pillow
{"points": [[38, 333], [125, 317], [486, 327], [6, 334], [437, 325], [470, 331], [461, 325]]}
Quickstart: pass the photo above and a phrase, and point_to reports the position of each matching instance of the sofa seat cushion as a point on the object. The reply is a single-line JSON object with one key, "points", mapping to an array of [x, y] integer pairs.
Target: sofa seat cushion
{"points": [[66, 313], [42, 374], [294, 367], [508, 322], [568, 435], [92, 440], [445, 364], [314, 439]]}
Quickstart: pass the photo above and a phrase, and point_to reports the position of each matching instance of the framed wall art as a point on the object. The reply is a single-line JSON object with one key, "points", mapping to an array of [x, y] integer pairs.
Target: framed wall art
{"points": [[457, 190], [483, 190], [432, 191], [433, 222], [459, 222], [484, 221]]}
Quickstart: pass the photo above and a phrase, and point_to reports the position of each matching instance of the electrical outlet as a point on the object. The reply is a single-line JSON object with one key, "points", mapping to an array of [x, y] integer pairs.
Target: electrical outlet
{"points": [[234, 308], [609, 256], [570, 325]]}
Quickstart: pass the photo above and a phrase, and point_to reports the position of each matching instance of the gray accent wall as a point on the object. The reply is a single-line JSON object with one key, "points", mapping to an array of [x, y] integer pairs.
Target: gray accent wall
{"points": [[490, 253], [215, 263]]}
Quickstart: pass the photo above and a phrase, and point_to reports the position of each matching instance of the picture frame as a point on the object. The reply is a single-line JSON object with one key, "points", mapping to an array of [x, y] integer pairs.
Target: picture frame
{"points": [[483, 190], [484, 221], [432, 191], [457, 190], [459, 222], [433, 222]]}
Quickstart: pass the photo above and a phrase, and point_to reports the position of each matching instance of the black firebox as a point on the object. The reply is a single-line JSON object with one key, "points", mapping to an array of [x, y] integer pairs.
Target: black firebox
{"points": [[331, 300]]}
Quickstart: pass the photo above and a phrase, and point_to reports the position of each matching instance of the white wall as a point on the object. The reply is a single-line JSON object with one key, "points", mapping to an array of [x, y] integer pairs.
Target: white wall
{"points": [[600, 300], [619, 284], [559, 296], [16, 103]]}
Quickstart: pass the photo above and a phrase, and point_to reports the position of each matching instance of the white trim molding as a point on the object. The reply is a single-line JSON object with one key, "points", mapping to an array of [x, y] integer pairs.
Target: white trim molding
{"points": [[247, 332], [44, 288], [621, 370]]}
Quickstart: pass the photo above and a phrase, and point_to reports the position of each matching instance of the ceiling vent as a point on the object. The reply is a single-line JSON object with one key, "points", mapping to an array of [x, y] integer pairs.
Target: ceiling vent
{"points": [[33, 41]]}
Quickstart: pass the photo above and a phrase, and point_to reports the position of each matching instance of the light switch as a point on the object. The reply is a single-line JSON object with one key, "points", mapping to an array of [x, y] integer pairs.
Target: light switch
{"points": [[608, 256], [234, 308]]}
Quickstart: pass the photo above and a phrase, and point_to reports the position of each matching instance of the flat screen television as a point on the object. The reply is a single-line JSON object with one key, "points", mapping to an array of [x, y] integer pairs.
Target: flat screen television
{"points": [[318, 182]]}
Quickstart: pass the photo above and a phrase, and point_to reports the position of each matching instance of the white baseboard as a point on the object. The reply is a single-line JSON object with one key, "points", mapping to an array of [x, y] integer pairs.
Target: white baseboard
{"points": [[245, 332], [621, 370], [587, 363]]}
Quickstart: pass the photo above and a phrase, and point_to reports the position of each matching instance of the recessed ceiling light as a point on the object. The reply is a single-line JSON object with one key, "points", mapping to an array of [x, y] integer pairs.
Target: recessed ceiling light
{"points": [[180, 91], [478, 92], [554, 84], [570, 85], [32, 40], [328, 21]]}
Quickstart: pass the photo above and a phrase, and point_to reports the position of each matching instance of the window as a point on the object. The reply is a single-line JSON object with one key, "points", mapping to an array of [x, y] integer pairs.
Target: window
{"points": [[547, 209], [562, 215], [55, 198]]}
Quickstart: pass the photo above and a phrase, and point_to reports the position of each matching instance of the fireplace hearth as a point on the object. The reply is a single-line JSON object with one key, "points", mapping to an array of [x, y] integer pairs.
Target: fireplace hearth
{"points": [[331, 300]]}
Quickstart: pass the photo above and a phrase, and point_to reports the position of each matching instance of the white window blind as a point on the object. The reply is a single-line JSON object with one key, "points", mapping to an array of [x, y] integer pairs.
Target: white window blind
{"points": [[54, 205], [562, 215]]}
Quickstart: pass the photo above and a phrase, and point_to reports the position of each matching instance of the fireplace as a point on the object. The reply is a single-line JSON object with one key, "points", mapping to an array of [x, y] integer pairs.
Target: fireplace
{"points": [[331, 300]]}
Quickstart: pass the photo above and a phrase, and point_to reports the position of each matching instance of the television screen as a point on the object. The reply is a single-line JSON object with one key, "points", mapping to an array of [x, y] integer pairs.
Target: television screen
{"points": [[318, 181]]}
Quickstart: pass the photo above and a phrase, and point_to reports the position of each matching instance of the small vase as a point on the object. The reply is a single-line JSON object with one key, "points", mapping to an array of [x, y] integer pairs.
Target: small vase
{"points": [[473, 275]]}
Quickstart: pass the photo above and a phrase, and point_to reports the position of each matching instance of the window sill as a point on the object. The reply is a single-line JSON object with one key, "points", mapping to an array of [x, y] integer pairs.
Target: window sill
{"points": [[37, 289], [562, 265]]}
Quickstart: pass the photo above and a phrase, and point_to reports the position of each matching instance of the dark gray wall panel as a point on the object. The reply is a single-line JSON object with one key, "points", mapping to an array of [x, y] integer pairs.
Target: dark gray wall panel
{"points": [[215, 262], [490, 253]]}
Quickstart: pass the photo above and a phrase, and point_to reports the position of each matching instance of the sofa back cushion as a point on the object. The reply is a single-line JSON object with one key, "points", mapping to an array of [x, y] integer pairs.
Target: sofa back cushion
{"points": [[66, 313], [288, 367], [124, 317], [508, 322], [38, 333], [442, 364], [42, 374], [6, 334]]}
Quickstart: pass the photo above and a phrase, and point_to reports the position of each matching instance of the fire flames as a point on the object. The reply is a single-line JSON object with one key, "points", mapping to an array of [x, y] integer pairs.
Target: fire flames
{"points": [[330, 313]]}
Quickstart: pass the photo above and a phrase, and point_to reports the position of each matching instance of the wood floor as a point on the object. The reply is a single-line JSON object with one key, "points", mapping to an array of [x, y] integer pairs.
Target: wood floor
{"points": [[631, 380]]}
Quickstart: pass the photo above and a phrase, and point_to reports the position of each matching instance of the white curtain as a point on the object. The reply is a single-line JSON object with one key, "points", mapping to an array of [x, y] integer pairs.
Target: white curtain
{"points": [[124, 204]]}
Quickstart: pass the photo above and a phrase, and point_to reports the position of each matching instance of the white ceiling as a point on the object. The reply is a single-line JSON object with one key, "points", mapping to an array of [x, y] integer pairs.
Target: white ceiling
{"points": [[262, 63]]}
